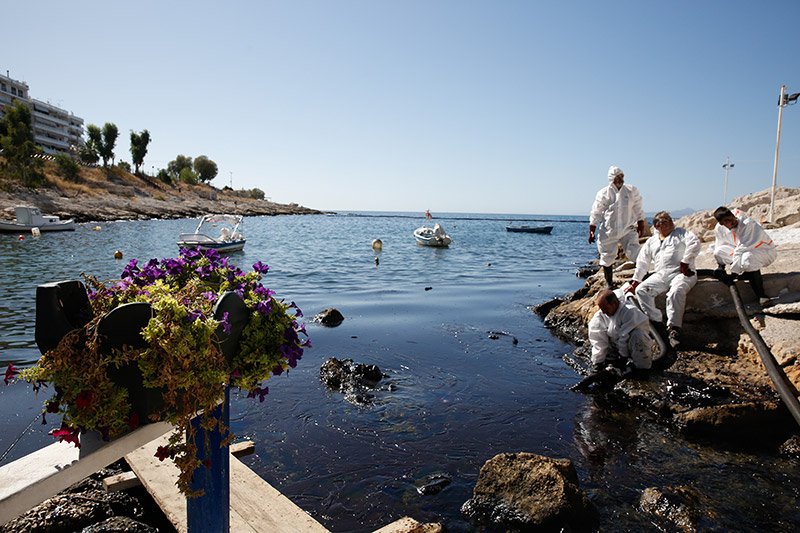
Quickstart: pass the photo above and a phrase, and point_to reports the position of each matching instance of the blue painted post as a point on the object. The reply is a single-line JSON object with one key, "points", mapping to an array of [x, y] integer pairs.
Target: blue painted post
{"points": [[210, 513]]}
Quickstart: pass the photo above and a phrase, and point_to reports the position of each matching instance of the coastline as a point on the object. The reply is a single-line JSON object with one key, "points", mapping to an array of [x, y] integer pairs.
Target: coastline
{"points": [[716, 353], [114, 194]]}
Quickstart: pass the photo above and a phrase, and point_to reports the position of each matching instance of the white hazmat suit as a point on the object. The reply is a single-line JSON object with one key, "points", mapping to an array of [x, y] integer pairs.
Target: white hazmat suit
{"points": [[746, 248], [663, 257], [616, 212], [627, 331]]}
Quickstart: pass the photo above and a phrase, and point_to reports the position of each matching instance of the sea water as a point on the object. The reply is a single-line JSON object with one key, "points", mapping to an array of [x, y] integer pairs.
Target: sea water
{"points": [[470, 370]]}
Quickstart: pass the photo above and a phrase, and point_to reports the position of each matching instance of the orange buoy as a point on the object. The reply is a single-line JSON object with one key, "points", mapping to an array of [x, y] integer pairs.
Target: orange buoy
{"points": [[21, 238], [117, 255]]}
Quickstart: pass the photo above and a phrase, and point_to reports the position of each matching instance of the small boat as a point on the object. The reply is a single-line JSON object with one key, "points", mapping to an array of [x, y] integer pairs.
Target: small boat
{"points": [[29, 218], [434, 236], [530, 229], [230, 237]]}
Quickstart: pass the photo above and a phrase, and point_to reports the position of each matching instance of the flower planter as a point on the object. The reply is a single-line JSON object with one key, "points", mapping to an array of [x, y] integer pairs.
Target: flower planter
{"points": [[164, 342]]}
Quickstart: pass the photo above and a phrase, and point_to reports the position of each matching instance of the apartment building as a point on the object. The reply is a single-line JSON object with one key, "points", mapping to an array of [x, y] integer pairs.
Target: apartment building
{"points": [[54, 129]]}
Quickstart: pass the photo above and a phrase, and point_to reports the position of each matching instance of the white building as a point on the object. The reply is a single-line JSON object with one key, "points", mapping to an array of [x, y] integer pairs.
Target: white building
{"points": [[54, 129]]}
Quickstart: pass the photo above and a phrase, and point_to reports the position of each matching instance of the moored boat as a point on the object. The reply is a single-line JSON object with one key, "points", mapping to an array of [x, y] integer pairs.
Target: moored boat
{"points": [[435, 236], [29, 218], [230, 239], [530, 229]]}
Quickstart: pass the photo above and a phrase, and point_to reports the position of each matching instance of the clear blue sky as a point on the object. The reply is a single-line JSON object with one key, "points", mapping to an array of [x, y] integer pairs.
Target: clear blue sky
{"points": [[452, 106]]}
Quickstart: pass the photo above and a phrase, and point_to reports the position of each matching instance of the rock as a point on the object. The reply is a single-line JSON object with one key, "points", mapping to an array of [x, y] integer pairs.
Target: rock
{"points": [[354, 380], [433, 484], [524, 491], [742, 421], [75, 511], [673, 508], [330, 317], [791, 448], [120, 524]]}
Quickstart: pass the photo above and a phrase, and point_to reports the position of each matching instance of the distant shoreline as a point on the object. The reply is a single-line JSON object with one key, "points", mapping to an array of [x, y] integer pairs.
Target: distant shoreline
{"points": [[101, 195]]}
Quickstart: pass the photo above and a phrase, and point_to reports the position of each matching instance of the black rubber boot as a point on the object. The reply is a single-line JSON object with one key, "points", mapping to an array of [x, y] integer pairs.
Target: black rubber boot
{"points": [[756, 283], [608, 273]]}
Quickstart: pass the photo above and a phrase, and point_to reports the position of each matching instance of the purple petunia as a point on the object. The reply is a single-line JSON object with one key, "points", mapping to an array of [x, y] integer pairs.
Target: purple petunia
{"points": [[260, 267], [264, 307], [260, 392], [226, 323]]}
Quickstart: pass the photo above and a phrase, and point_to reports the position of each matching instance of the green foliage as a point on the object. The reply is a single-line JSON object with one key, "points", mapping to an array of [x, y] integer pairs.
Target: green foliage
{"points": [[183, 358], [18, 146], [256, 193], [110, 134], [205, 168], [175, 166], [187, 175], [68, 167], [139, 142], [124, 165], [164, 176], [90, 152]]}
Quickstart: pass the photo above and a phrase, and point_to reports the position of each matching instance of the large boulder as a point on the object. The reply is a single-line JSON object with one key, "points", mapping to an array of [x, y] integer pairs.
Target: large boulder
{"points": [[529, 491]]}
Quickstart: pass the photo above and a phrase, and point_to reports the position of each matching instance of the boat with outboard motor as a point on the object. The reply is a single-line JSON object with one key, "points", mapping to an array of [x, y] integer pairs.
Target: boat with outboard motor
{"points": [[29, 218], [435, 236], [230, 239]]}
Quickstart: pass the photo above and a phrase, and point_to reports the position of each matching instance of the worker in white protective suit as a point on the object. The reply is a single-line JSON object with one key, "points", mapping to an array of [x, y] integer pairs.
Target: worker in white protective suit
{"points": [[743, 244], [616, 218], [670, 254], [620, 326]]}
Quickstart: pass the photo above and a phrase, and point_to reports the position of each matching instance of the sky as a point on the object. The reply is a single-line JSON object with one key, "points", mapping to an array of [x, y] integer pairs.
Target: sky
{"points": [[466, 106]]}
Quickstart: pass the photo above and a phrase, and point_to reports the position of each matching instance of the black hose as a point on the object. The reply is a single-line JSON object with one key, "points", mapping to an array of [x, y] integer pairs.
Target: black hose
{"points": [[786, 388]]}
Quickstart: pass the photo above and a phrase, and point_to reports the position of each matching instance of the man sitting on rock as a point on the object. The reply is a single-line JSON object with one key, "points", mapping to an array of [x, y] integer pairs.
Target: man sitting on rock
{"points": [[743, 244], [671, 253], [622, 328]]}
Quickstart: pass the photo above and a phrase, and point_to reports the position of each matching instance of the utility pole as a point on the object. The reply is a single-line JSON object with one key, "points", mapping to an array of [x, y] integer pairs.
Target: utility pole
{"points": [[231, 184], [783, 101], [727, 166]]}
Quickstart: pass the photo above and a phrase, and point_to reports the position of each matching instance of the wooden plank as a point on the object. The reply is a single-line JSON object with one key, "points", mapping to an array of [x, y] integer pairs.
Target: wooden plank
{"points": [[32, 479], [123, 481], [255, 505], [128, 480]]}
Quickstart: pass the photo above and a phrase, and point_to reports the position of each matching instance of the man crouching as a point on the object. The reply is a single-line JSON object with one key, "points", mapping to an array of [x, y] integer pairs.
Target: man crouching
{"points": [[622, 328]]}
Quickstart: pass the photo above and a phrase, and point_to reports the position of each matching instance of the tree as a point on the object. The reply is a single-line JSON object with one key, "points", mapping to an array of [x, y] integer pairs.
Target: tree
{"points": [[175, 166], [124, 165], [18, 145], [90, 153], [139, 142], [205, 168], [187, 175], [68, 167], [110, 134], [164, 176]]}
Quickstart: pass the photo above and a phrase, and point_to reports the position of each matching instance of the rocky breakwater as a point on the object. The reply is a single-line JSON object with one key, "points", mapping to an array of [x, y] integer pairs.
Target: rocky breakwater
{"points": [[114, 194], [715, 384]]}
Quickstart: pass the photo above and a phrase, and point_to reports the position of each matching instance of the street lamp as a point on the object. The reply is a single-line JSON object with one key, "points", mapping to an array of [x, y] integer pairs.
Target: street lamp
{"points": [[727, 166], [783, 101]]}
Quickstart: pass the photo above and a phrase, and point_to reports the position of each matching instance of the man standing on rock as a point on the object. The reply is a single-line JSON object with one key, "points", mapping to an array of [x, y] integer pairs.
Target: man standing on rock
{"points": [[671, 253], [623, 327], [616, 218], [743, 244]]}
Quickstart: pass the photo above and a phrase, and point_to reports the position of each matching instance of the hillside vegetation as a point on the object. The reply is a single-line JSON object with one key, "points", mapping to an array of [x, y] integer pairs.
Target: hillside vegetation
{"points": [[113, 193]]}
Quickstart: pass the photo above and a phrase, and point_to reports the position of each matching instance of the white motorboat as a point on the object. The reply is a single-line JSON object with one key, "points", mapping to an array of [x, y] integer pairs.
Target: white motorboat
{"points": [[435, 236], [229, 228], [29, 218]]}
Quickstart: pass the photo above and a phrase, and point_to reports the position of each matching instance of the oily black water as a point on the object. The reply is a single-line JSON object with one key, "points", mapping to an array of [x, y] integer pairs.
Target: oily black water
{"points": [[454, 395]]}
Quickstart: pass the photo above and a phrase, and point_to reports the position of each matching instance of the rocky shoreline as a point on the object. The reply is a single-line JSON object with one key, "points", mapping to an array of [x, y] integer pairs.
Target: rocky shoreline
{"points": [[113, 194], [715, 384]]}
